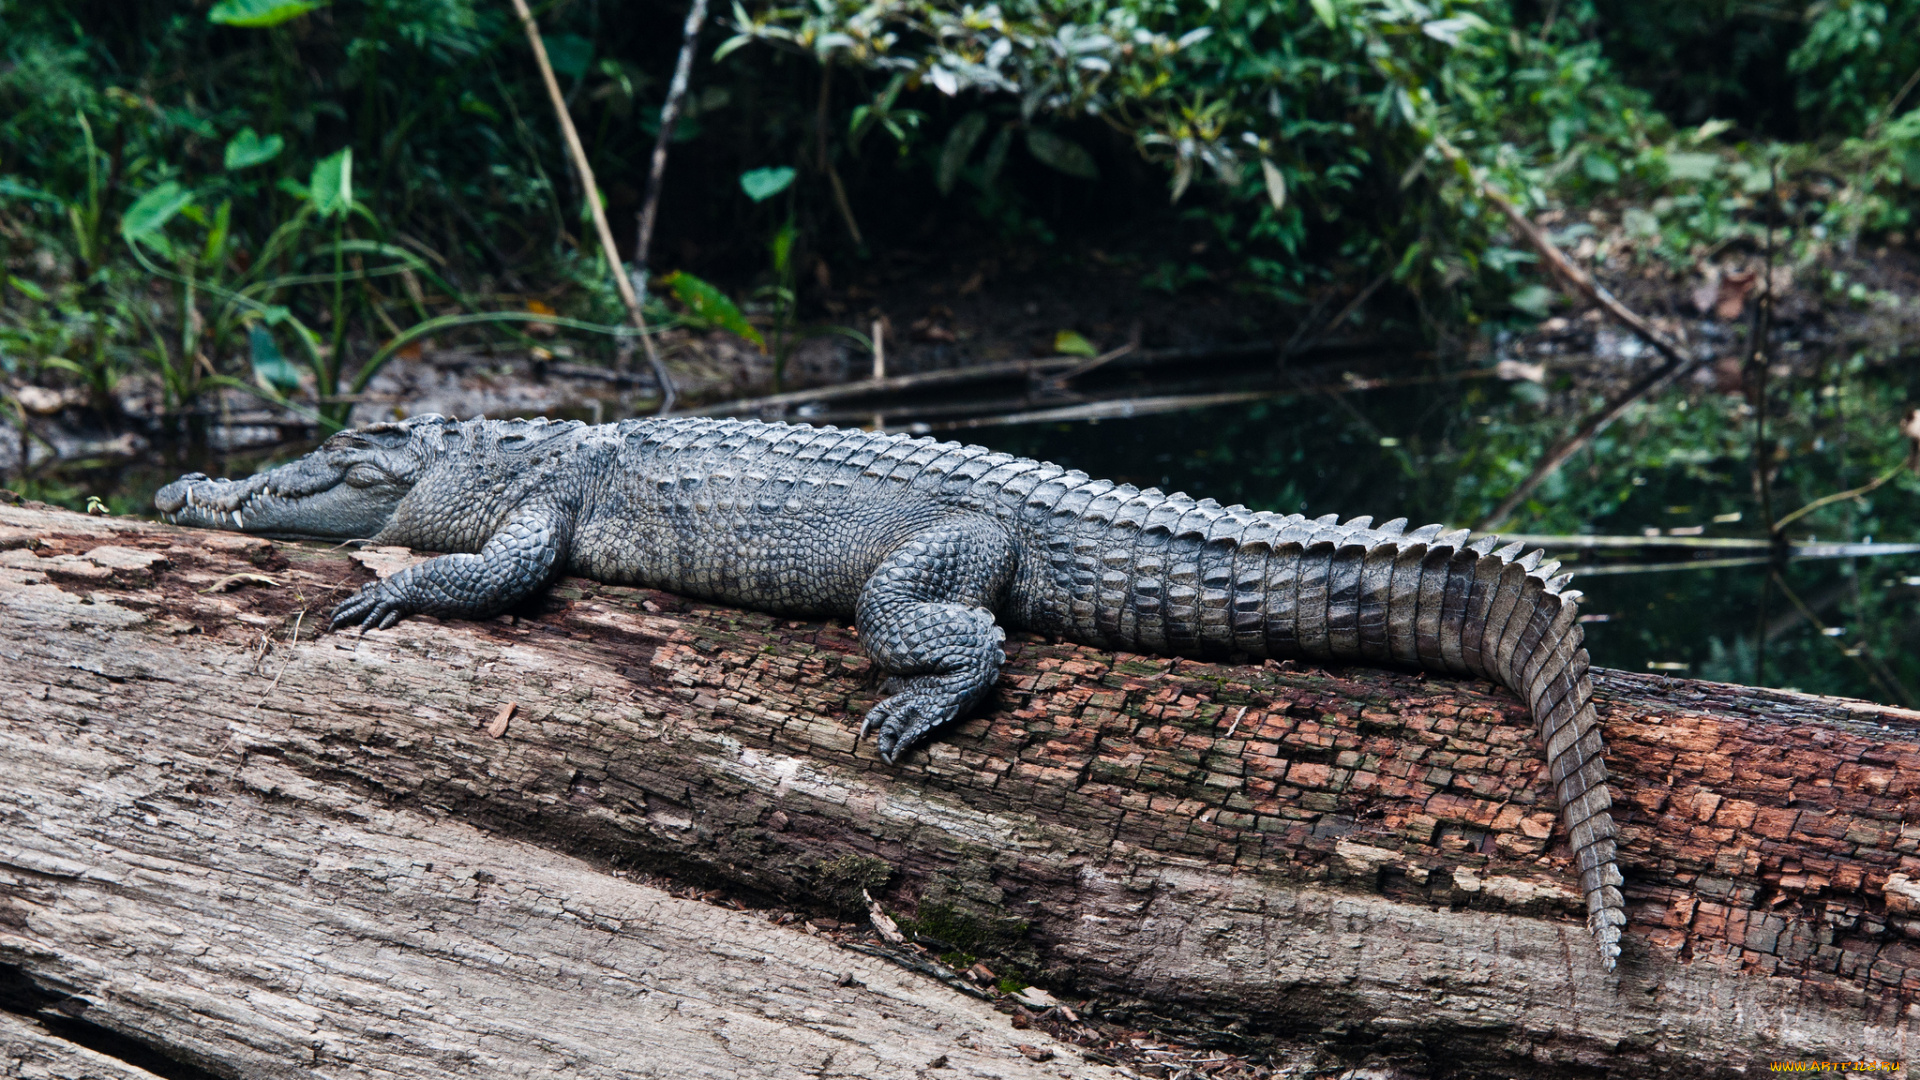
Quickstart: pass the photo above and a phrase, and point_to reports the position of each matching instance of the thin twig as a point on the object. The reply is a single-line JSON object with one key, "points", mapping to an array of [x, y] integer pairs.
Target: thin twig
{"points": [[1911, 429], [826, 160], [1796, 553], [894, 384], [1893, 104], [295, 640], [579, 153], [1894, 689], [1550, 462], [1826, 500], [1105, 358], [669, 116], [1303, 339], [1581, 281], [1759, 362]]}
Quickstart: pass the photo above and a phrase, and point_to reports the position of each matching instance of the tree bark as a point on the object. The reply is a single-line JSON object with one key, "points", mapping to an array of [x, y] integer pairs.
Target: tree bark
{"points": [[270, 852]]}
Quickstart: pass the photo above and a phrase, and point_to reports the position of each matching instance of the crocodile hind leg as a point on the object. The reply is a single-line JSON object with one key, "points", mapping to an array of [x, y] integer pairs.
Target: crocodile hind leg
{"points": [[925, 618]]}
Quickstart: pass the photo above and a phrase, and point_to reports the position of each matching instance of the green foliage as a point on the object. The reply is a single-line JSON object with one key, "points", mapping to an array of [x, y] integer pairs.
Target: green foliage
{"points": [[1853, 61], [330, 189], [1073, 343], [247, 149], [1062, 154], [708, 306], [259, 14], [763, 184]]}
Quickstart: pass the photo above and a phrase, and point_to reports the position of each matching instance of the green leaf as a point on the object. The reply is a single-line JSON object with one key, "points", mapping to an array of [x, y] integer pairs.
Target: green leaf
{"points": [[1692, 166], [1276, 184], [248, 149], [260, 13], [729, 45], [781, 248], [996, 158], [1450, 31], [1535, 300], [1710, 129], [570, 54], [471, 104], [331, 186], [1599, 168], [1070, 343], [1328, 14], [763, 184], [960, 143], [27, 288], [14, 189], [711, 306], [217, 234], [270, 367], [150, 213], [1063, 154]]}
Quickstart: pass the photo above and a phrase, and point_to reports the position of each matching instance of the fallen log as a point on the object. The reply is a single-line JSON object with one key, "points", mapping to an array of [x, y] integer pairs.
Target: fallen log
{"points": [[1238, 851]]}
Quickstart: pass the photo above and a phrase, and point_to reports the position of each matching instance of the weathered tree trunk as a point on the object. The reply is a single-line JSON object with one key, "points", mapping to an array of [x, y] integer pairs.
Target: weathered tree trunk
{"points": [[268, 855]]}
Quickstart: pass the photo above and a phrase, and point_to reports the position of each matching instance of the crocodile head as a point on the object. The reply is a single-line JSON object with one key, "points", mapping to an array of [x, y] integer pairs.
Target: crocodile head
{"points": [[347, 489]]}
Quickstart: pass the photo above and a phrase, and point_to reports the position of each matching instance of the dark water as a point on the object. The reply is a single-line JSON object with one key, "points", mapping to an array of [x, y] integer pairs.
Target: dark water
{"points": [[1447, 454]]}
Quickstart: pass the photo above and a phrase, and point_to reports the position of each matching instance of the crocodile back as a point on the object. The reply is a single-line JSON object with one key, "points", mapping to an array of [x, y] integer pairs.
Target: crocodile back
{"points": [[795, 518]]}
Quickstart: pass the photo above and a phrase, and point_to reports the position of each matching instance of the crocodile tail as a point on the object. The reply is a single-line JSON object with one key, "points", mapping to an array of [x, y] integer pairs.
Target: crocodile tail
{"points": [[1436, 600], [1167, 574]]}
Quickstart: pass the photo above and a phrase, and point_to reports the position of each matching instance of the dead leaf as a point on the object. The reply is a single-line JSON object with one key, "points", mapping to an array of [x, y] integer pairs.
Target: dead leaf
{"points": [[1034, 997], [1519, 370], [888, 929], [1707, 291], [499, 725], [233, 581], [543, 329], [1730, 297], [386, 561], [1034, 1053]]}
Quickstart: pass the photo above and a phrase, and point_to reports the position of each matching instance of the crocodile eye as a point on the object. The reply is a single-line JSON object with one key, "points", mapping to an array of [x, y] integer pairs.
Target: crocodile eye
{"points": [[364, 475]]}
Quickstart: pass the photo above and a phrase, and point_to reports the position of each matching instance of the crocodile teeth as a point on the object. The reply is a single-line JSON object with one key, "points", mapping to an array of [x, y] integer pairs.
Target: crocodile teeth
{"points": [[237, 523]]}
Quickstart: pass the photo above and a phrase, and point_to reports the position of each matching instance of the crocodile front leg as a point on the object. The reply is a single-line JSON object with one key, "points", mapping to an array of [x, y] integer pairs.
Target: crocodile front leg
{"points": [[517, 561], [925, 618]]}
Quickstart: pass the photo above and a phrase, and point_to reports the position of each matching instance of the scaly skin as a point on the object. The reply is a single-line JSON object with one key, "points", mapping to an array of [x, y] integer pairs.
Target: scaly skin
{"points": [[930, 546]]}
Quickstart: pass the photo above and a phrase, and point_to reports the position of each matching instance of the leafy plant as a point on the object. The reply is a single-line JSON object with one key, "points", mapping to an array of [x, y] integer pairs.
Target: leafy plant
{"points": [[709, 307]]}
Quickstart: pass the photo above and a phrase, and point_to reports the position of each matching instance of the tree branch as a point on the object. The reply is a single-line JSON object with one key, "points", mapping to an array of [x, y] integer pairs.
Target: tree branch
{"points": [[669, 117], [578, 152]]}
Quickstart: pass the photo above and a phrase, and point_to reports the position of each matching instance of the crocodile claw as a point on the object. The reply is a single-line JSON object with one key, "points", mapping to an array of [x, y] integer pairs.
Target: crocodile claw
{"points": [[375, 607]]}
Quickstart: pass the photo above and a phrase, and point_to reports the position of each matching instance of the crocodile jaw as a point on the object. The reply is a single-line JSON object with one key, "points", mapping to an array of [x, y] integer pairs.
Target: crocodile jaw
{"points": [[305, 499]]}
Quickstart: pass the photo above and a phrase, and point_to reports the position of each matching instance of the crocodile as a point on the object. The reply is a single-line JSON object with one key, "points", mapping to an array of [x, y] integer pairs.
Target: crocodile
{"points": [[931, 547]]}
